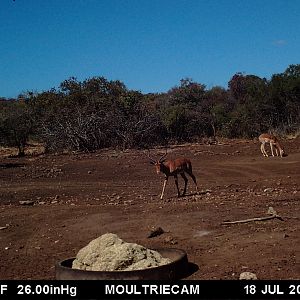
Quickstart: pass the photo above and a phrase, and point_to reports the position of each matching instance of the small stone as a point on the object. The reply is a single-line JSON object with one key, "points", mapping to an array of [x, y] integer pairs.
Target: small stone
{"points": [[271, 211], [26, 202], [170, 240], [155, 232], [248, 276]]}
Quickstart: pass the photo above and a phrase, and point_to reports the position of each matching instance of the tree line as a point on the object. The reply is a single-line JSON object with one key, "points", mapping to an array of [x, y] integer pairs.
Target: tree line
{"points": [[98, 113]]}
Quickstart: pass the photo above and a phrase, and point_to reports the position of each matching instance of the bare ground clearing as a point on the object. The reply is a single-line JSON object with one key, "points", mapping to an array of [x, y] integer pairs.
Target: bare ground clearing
{"points": [[82, 196]]}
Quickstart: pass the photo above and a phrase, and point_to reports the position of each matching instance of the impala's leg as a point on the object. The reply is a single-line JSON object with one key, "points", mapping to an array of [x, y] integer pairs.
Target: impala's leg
{"points": [[194, 178], [278, 153], [185, 182], [271, 145], [176, 182], [164, 186], [263, 150], [266, 153]]}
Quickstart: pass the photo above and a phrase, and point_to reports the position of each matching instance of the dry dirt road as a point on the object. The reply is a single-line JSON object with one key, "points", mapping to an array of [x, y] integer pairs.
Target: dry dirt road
{"points": [[79, 197]]}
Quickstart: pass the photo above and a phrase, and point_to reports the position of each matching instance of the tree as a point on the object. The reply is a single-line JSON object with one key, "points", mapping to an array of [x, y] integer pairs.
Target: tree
{"points": [[285, 98], [216, 109], [178, 110], [250, 97], [16, 124]]}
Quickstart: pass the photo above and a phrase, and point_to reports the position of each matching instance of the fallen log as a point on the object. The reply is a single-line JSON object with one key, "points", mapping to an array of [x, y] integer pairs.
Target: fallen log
{"points": [[253, 220], [271, 212]]}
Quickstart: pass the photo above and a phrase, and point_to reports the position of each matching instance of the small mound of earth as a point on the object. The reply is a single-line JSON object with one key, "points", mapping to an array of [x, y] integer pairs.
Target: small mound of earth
{"points": [[110, 253]]}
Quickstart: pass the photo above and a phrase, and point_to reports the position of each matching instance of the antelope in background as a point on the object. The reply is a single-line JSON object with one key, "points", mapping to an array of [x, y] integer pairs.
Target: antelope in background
{"points": [[266, 138], [173, 168]]}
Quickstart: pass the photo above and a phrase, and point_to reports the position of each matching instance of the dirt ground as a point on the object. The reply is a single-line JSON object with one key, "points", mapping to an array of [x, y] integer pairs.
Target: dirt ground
{"points": [[78, 197]]}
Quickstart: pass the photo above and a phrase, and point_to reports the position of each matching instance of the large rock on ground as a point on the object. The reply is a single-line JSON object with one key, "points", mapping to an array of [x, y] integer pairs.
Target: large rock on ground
{"points": [[110, 253]]}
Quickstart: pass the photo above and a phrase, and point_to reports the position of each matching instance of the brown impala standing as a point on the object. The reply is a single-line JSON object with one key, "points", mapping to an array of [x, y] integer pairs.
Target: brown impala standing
{"points": [[274, 143], [173, 168]]}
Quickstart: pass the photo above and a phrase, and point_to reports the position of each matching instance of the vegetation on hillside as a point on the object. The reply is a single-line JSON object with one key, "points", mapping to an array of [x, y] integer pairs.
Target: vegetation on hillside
{"points": [[98, 113]]}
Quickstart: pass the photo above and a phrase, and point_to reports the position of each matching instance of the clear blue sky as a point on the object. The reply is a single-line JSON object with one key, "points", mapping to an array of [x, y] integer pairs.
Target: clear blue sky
{"points": [[149, 45]]}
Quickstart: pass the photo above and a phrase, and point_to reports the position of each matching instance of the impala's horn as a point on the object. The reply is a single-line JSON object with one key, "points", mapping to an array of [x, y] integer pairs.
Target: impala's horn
{"points": [[153, 161], [163, 157]]}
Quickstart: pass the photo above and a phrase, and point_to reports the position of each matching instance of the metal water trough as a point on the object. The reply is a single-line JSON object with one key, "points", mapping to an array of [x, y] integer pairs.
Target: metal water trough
{"points": [[177, 269]]}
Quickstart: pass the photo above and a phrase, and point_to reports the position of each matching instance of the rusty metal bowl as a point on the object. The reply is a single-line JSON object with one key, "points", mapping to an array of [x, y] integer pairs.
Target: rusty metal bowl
{"points": [[177, 269]]}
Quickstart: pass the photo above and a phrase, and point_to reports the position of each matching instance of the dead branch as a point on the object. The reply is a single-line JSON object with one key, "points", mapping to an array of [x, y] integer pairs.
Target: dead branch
{"points": [[253, 220], [271, 212], [291, 217]]}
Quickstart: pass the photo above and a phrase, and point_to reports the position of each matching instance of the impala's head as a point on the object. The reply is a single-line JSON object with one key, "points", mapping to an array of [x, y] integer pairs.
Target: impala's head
{"points": [[282, 153], [157, 163]]}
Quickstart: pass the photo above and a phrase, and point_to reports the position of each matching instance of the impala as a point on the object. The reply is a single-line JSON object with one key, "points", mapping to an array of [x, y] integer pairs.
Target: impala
{"points": [[274, 143], [173, 168]]}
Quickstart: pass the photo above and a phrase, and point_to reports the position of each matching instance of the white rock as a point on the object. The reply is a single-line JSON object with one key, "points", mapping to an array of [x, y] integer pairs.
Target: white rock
{"points": [[248, 276]]}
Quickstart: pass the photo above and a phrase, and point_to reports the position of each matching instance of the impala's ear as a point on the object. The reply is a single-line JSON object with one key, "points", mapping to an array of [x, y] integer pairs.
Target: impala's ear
{"points": [[162, 160], [151, 162]]}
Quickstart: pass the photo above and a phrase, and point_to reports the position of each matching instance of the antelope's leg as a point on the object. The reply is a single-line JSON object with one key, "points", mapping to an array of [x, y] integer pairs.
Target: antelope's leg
{"points": [[194, 179], [272, 150], [185, 182], [164, 186], [264, 147], [263, 150], [176, 182], [276, 150]]}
